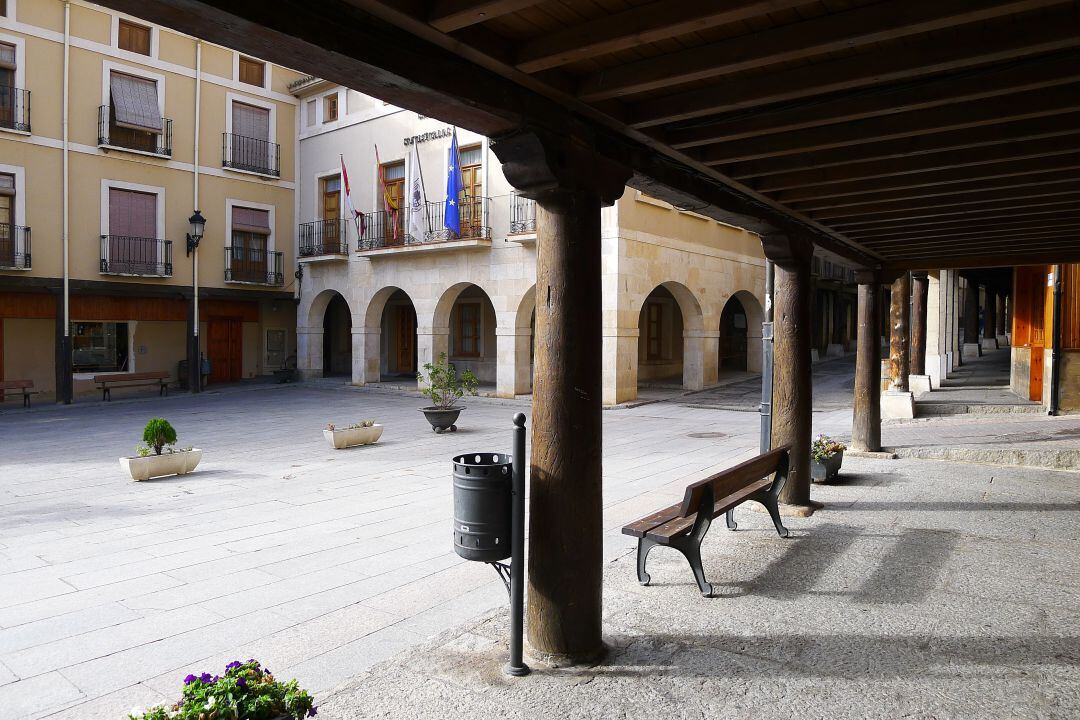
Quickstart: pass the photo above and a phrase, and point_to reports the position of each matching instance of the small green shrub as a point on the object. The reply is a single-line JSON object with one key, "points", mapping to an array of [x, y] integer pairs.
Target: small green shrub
{"points": [[444, 386], [245, 692], [158, 433]]}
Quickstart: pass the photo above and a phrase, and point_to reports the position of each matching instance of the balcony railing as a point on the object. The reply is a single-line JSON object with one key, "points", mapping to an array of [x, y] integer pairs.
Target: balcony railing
{"points": [[254, 265], [522, 215], [14, 247], [14, 108], [250, 155], [382, 229], [145, 141], [127, 255], [324, 237]]}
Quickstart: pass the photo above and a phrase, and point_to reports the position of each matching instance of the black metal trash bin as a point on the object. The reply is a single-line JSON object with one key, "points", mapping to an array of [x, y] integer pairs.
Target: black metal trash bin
{"points": [[483, 493]]}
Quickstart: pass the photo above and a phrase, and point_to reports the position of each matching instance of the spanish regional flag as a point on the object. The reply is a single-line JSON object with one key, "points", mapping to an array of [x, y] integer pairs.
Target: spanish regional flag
{"points": [[389, 202], [358, 217]]}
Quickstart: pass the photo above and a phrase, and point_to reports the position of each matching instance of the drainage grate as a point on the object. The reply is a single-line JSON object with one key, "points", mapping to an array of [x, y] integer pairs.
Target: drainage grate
{"points": [[707, 435]]}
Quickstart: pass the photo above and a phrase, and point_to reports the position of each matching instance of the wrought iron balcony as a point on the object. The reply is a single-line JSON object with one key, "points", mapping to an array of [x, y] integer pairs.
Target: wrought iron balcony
{"points": [[522, 215], [387, 230], [381, 229], [127, 255], [112, 135], [324, 237], [14, 247], [472, 212], [254, 265], [250, 155], [14, 108]]}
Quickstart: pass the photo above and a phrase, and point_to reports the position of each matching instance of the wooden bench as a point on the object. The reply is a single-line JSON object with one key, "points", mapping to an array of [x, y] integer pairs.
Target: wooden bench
{"points": [[111, 380], [21, 385], [683, 526], [287, 374]]}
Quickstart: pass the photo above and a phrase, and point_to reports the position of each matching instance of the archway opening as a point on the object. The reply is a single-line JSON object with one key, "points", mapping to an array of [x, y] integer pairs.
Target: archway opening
{"points": [[397, 351], [733, 337], [473, 343], [660, 340], [337, 338]]}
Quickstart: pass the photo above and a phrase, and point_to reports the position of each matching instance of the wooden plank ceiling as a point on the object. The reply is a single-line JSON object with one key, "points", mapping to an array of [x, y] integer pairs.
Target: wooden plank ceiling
{"points": [[899, 133]]}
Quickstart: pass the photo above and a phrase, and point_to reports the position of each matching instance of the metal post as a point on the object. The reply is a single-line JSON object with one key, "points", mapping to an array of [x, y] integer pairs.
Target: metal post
{"points": [[767, 362], [1055, 349], [517, 666]]}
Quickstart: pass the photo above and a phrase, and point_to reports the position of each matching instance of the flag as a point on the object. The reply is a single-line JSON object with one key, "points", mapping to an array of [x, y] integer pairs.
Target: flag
{"points": [[451, 213], [389, 203], [418, 226], [357, 216]]}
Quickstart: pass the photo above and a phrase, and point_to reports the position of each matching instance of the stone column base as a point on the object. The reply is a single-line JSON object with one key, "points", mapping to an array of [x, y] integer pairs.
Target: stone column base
{"points": [[919, 384], [834, 350], [990, 343], [814, 355], [972, 350], [897, 405], [1003, 340]]}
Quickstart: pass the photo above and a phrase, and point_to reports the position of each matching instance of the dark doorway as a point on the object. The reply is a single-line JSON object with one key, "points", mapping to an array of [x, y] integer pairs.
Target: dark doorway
{"points": [[733, 326], [337, 338]]}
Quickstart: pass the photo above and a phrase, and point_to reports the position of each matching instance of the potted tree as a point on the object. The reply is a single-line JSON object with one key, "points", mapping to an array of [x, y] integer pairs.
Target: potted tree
{"points": [[445, 387], [246, 690], [364, 432], [826, 457], [157, 456]]}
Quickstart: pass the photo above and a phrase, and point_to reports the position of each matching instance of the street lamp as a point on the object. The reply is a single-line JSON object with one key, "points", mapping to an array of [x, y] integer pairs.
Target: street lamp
{"points": [[195, 234]]}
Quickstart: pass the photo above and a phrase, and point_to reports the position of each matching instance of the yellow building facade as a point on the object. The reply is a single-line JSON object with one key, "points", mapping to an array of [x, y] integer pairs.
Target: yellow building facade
{"points": [[112, 133]]}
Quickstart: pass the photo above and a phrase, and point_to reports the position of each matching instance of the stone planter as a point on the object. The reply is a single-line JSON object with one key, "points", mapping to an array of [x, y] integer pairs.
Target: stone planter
{"points": [[828, 470], [180, 462], [340, 439], [442, 420]]}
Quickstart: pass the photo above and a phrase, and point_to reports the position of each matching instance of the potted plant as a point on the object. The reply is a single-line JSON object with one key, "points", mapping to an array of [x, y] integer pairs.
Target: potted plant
{"points": [[157, 456], [826, 456], [364, 432], [445, 387], [246, 690]]}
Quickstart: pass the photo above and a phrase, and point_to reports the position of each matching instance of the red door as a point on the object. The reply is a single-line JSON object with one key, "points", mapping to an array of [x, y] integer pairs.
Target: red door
{"points": [[224, 349]]}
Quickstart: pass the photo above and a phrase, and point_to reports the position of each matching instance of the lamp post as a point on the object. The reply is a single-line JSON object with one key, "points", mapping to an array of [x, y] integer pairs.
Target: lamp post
{"points": [[195, 234]]}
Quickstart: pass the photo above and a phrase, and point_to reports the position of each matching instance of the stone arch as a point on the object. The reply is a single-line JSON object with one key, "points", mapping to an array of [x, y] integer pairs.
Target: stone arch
{"points": [[517, 348], [317, 308], [464, 326], [390, 336], [659, 355], [754, 315], [441, 317], [311, 336]]}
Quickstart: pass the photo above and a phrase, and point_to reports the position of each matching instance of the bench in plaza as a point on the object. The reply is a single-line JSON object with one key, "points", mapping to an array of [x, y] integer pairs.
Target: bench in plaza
{"points": [[683, 526], [111, 380], [23, 386]]}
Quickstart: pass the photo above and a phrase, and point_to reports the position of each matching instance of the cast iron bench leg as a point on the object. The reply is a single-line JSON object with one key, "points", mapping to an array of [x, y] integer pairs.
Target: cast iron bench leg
{"points": [[644, 545], [729, 516]]}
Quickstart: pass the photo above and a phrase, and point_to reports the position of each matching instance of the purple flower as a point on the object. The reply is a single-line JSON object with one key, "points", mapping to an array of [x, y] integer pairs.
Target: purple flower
{"points": [[313, 711], [241, 683], [206, 678], [233, 664], [190, 679]]}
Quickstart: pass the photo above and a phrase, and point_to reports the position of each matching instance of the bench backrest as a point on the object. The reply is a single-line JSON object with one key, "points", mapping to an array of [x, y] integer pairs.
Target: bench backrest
{"points": [[16, 384], [115, 377], [734, 479]]}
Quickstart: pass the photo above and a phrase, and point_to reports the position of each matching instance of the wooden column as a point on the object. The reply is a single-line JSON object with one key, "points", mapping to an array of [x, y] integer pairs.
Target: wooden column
{"points": [[570, 184], [990, 316], [971, 313], [792, 375], [866, 420], [899, 325], [920, 290]]}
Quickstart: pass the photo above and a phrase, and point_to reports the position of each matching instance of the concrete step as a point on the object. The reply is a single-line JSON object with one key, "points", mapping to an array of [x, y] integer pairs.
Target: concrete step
{"points": [[1020, 456], [938, 409]]}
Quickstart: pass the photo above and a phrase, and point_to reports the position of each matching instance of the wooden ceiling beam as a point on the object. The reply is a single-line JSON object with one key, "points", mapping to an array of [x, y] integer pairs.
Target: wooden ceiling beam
{"points": [[939, 143], [951, 177], [450, 15], [1038, 213], [983, 113], [797, 41], [913, 215], [965, 225], [971, 47], [976, 84], [1020, 246], [974, 238], [636, 26], [971, 189], [913, 168], [993, 197], [985, 261]]}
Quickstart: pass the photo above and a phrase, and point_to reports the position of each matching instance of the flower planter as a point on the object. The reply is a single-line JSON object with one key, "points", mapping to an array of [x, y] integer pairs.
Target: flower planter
{"points": [[828, 470], [340, 439], [180, 462], [442, 420]]}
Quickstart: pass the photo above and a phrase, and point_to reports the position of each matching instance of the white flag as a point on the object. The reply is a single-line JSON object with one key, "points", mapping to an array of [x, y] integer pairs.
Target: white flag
{"points": [[418, 220]]}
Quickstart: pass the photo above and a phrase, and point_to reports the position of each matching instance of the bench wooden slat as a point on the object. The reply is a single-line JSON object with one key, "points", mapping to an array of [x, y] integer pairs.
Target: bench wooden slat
{"points": [[16, 384], [124, 377], [727, 481], [638, 528], [681, 525]]}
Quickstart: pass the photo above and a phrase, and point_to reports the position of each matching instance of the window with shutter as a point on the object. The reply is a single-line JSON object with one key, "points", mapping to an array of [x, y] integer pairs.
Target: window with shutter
{"points": [[8, 98], [252, 72], [135, 103], [250, 121], [7, 220], [133, 37], [132, 213], [311, 107], [330, 111]]}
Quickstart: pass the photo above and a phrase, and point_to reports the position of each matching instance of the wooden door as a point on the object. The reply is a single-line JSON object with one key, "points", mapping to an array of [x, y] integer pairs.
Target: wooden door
{"points": [[395, 224], [472, 188], [7, 220], [225, 350], [406, 346], [331, 210]]}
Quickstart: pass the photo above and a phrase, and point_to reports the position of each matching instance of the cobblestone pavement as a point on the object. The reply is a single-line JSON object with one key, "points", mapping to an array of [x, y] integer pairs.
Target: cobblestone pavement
{"points": [[321, 563]]}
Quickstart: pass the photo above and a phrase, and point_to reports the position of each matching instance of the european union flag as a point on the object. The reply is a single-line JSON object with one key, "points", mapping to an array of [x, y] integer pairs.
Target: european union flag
{"points": [[452, 213]]}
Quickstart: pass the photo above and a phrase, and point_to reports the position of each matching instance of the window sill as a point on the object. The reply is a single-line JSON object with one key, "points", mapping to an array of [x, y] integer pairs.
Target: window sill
{"points": [[130, 274], [119, 148], [255, 283], [16, 268], [430, 247], [525, 238], [263, 175], [15, 131], [323, 257]]}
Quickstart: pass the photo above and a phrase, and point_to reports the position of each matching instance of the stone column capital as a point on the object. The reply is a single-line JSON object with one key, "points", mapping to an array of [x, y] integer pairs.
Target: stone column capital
{"points": [[787, 250]]}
